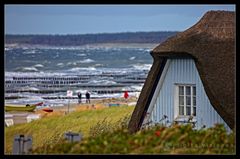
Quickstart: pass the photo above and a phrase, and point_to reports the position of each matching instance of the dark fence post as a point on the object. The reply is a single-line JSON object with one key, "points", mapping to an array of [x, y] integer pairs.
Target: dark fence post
{"points": [[72, 137], [22, 145]]}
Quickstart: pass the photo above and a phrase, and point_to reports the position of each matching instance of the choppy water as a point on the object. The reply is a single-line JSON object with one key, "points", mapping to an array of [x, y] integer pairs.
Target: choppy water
{"points": [[31, 61]]}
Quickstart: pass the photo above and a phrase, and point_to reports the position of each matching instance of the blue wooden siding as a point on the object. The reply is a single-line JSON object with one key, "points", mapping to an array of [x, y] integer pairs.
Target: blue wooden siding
{"points": [[182, 71]]}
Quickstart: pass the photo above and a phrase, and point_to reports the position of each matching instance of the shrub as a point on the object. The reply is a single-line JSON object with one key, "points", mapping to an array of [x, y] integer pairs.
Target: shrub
{"points": [[177, 139]]}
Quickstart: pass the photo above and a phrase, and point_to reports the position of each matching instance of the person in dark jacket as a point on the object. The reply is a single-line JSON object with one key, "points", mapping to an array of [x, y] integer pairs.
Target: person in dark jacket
{"points": [[79, 97], [87, 97]]}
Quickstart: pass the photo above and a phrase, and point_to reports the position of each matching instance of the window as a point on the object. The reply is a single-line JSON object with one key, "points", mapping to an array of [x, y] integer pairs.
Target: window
{"points": [[186, 95]]}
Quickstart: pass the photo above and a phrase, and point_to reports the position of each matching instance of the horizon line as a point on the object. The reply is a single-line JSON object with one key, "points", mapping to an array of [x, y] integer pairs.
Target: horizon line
{"points": [[64, 34]]}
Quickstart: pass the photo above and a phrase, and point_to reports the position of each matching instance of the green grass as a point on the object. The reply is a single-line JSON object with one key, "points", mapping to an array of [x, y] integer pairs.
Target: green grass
{"points": [[105, 132], [157, 140], [51, 130]]}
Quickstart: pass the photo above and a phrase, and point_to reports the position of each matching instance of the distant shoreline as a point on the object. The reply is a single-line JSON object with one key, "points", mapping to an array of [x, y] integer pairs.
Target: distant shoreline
{"points": [[115, 45], [116, 39]]}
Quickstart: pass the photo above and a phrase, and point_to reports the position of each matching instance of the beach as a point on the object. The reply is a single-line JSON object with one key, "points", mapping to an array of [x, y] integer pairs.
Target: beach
{"points": [[14, 118], [95, 104]]}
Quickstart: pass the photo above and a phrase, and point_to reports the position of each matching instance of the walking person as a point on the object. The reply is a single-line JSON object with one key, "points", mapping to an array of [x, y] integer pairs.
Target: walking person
{"points": [[126, 96], [79, 97], [87, 97]]}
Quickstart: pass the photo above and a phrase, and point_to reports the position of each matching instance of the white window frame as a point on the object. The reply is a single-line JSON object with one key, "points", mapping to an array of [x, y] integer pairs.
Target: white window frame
{"points": [[176, 101]]}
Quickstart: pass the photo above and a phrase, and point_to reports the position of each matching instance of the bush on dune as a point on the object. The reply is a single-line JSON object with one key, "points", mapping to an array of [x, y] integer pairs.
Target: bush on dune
{"points": [[108, 138]]}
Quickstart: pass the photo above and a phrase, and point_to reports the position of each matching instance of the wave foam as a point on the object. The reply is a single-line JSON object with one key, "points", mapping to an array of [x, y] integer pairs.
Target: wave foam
{"points": [[27, 69], [29, 52], [132, 58], [38, 65], [81, 55], [83, 69], [142, 66], [101, 82], [60, 64], [71, 63], [7, 49], [30, 69], [86, 61]]}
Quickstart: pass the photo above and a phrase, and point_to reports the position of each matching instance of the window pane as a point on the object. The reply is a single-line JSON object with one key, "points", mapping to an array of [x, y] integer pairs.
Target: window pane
{"points": [[181, 110], [180, 90], [194, 111], [188, 90], [188, 110], [194, 101], [181, 100], [194, 90], [188, 100]]}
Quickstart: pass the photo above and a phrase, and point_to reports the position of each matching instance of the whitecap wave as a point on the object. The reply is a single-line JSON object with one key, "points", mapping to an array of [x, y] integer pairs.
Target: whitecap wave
{"points": [[99, 65], [38, 65], [148, 50], [71, 63], [132, 58], [60, 64], [34, 69], [27, 69], [82, 91], [7, 49], [136, 87], [81, 55], [29, 52], [83, 69], [86, 61], [101, 82], [142, 66]]}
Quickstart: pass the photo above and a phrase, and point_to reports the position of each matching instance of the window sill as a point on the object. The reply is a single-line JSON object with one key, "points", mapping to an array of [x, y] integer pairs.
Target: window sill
{"points": [[185, 119]]}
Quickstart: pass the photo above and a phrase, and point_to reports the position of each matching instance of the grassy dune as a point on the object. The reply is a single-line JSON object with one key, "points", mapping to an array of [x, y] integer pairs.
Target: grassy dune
{"points": [[156, 140], [104, 132], [51, 129]]}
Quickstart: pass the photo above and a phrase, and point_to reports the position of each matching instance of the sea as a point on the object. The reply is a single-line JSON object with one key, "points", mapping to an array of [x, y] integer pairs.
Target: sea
{"points": [[34, 60]]}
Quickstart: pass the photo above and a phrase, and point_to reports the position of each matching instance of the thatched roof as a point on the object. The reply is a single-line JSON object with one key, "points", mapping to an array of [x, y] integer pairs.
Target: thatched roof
{"points": [[211, 43]]}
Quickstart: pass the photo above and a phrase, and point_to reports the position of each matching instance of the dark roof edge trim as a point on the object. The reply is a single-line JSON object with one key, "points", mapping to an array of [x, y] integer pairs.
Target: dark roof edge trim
{"points": [[173, 55], [152, 91]]}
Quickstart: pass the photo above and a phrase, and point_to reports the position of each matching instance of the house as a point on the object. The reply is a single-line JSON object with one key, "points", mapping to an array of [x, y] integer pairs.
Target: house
{"points": [[192, 78]]}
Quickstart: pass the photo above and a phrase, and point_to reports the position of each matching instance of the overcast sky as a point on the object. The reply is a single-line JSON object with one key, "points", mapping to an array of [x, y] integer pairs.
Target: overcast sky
{"points": [[82, 19]]}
